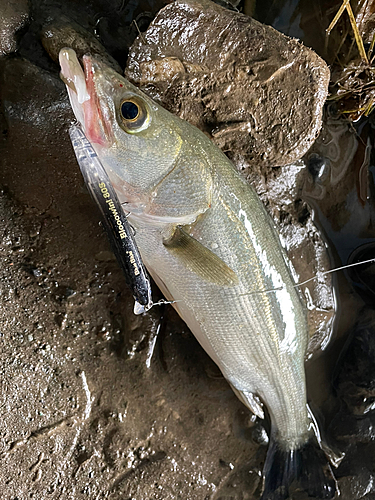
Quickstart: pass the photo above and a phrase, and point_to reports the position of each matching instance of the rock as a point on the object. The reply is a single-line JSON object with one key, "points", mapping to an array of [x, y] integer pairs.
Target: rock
{"points": [[14, 14], [358, 487], [64, 32], [355, 475], [350, 429], [258, 93], [363, 276], [355, 381]]}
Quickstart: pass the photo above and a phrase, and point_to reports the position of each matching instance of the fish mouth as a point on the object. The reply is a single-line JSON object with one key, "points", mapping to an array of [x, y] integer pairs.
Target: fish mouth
{"points": [[84, 99]]}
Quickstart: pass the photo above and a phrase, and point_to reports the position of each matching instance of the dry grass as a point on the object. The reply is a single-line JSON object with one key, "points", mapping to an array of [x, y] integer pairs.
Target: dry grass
{"points": [[353, 75]]}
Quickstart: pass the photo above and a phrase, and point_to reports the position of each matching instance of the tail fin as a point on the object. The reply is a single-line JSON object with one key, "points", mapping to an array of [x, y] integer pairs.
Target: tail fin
{"points": [[306, 468]]}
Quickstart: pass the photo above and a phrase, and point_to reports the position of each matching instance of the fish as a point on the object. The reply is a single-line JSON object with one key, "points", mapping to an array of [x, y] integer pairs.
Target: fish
{"points": [[208, 242]]}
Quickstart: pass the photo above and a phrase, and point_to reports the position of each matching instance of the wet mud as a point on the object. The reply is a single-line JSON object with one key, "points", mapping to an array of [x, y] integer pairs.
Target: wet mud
{"points": [[98, 403]]}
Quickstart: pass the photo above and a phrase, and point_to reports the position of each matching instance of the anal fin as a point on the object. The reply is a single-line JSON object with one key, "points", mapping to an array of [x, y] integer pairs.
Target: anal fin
{"points": [[250, 400]]}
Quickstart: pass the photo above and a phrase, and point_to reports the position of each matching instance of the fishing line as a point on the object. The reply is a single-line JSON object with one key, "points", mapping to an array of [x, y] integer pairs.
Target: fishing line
{"points": [[317, 277], [140, 309]]}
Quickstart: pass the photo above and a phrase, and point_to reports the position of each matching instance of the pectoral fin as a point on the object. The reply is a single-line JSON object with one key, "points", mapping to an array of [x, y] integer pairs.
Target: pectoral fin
{"points": [[200, 260], [250, 400]]}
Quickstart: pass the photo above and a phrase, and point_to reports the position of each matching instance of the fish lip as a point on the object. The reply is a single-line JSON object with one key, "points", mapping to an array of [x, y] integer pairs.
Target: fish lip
{"points": [[87, 107], [98, 129], [72, 75]]}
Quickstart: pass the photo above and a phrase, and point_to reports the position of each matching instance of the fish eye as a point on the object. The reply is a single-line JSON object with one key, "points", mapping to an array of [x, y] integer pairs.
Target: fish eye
{"points": [[134, 114], [129, 110]]}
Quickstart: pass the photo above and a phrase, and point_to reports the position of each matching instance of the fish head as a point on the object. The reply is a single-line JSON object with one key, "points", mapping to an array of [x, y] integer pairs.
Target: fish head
{"points": [[132, 135]]}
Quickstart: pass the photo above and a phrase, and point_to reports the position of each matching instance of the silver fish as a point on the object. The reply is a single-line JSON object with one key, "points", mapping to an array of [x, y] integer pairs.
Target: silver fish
{"points": [[209, 244]]}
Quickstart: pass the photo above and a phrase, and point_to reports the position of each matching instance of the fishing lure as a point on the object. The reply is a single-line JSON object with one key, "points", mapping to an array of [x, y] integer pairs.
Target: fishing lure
{"points": [[115, 221]]}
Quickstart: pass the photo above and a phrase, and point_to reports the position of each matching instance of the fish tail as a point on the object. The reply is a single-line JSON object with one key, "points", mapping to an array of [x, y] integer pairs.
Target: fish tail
{"points": [[305, 468]]}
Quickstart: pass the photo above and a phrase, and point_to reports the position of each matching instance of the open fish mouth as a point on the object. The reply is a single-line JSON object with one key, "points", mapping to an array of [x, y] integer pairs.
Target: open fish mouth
{"points": [[83, 96]]}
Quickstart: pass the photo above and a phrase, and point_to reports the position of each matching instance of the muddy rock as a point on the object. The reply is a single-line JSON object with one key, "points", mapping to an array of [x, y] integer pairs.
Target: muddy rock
{"points": [[355, 381], [64, 32], [258, 93], [14, 14], [353, 424]]}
